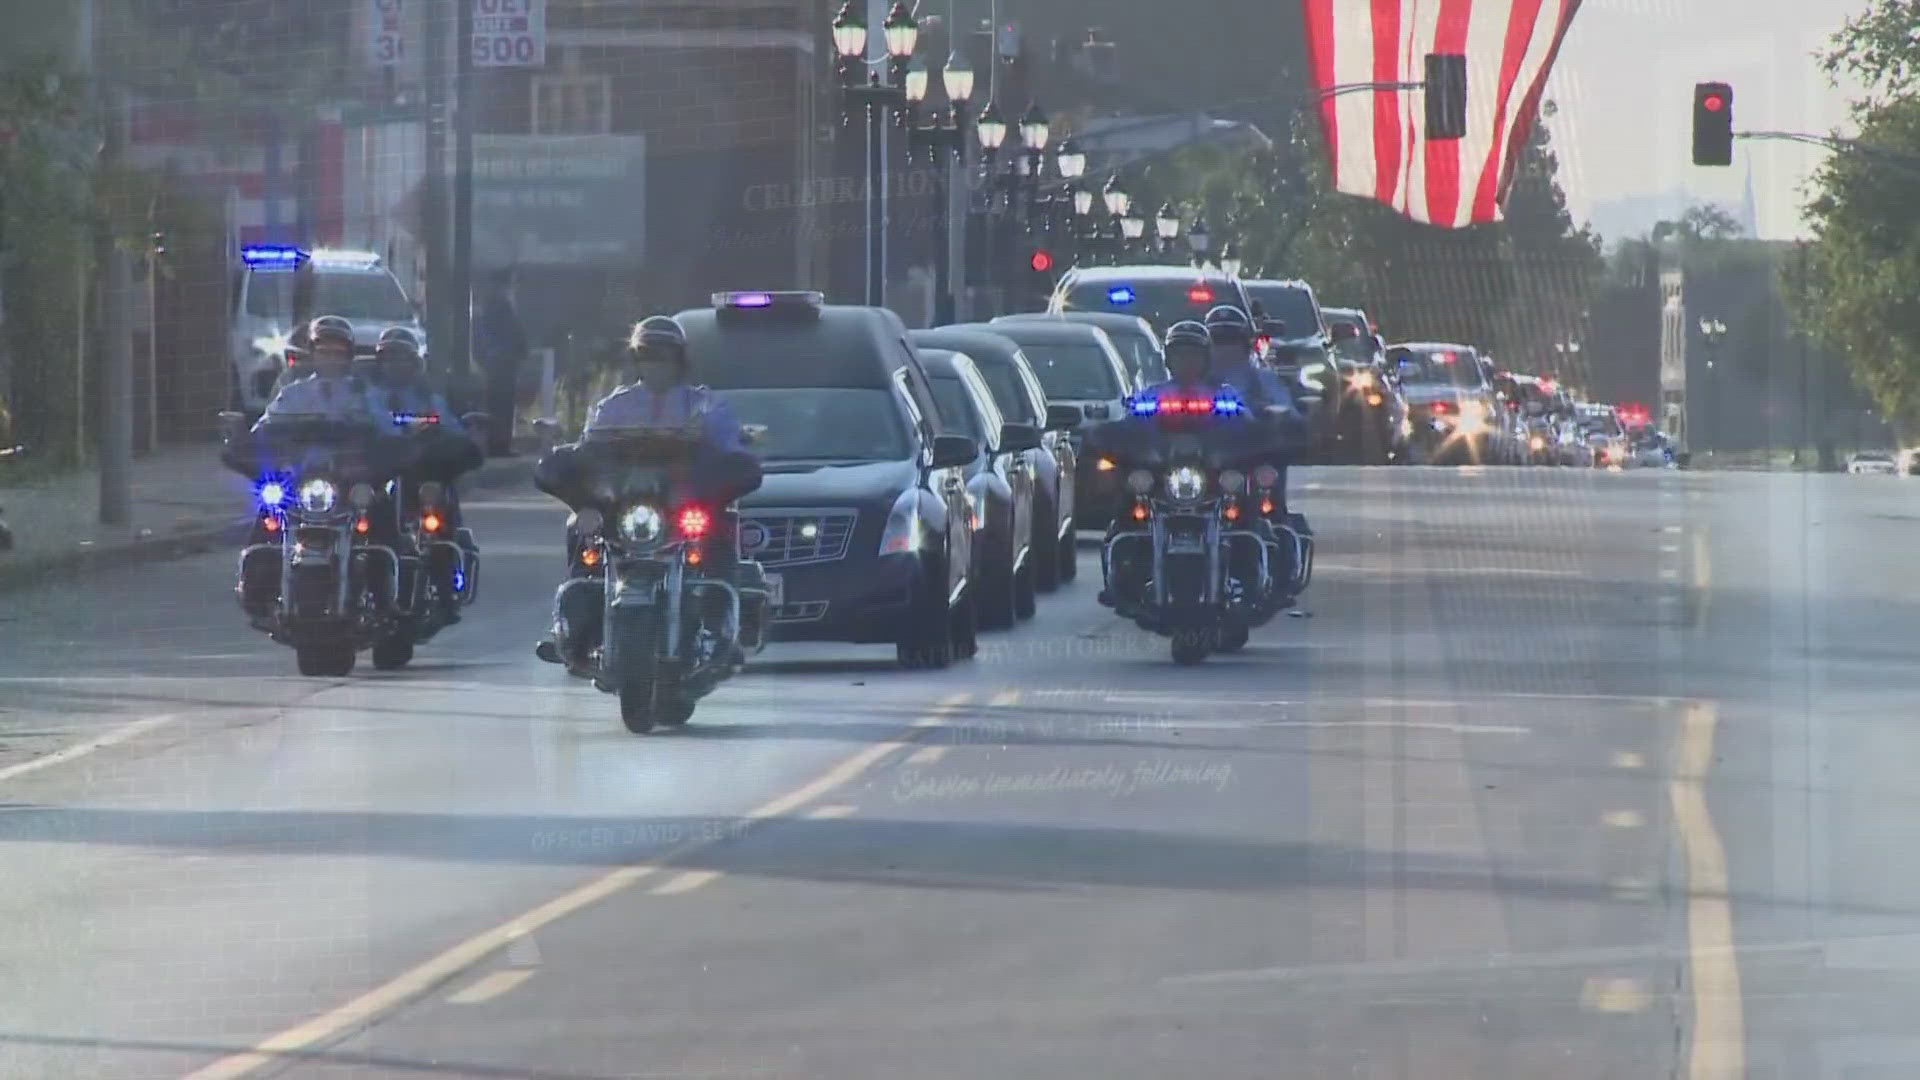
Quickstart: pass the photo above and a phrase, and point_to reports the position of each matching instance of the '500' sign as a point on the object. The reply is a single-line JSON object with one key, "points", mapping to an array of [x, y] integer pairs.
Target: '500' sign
{"points": [[509, 33]]}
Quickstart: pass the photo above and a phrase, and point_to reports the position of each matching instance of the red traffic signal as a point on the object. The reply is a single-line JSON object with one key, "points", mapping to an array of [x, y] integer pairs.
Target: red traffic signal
{"points": [[1712, 124], [1041, 261]]}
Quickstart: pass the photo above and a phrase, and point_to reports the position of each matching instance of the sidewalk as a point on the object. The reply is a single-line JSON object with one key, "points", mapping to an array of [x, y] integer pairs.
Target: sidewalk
{"points": [[184, 502]]}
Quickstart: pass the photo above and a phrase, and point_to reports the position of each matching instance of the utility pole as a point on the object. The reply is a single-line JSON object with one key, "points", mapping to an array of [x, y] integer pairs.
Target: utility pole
{"points": [[433, 188], [461, 274], [113, 340]]}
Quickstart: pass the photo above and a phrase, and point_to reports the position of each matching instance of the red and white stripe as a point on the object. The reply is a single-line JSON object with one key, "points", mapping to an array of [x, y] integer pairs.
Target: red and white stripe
{"points": [[1377, 141]]}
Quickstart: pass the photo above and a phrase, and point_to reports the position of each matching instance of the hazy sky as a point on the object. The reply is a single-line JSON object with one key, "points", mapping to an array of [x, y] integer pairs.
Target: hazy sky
{"points": [[1624, 86]]}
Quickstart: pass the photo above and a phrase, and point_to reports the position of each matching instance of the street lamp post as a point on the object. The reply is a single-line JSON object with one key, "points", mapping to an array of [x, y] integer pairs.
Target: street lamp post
{"points": [[1712, 332], [900, 33], [943, 142], [1199, 241]]}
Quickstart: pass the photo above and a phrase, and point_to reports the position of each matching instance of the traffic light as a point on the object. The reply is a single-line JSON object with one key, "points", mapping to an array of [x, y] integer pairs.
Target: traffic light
{"points": [[1041, 261], [1034, 275], [1446, 96], [1712, 124]]}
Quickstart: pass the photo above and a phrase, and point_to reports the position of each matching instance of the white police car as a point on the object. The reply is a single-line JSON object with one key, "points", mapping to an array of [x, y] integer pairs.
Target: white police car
{"points": [[355, 285]]}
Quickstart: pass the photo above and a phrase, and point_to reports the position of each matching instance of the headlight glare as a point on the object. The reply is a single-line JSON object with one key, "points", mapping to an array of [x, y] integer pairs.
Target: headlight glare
{"points": [[317, 496], [1186, 483], [640, 524]]}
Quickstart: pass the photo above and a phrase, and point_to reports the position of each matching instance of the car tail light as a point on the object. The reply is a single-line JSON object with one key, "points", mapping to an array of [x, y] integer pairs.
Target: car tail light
{"points": [[1200, 294]]}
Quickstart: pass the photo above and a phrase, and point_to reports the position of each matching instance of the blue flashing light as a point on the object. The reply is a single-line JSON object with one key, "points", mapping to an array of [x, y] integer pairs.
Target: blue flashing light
{"points": [[459, 580], [752, 300], [271, 257], [272, 493], [1145, 406], [402, 419], [1120, 294], [1226, 406]]}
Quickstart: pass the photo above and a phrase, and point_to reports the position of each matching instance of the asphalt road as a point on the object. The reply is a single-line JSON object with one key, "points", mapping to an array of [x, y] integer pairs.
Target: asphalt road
{"points": [[1569, 774]]}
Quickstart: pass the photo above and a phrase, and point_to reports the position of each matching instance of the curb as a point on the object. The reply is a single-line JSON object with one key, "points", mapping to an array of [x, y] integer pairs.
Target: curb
{"points": [[47, 569]]}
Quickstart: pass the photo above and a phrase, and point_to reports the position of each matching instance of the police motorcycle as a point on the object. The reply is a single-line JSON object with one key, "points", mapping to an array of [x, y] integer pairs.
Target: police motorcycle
{"points": [[658, 607], [1196, 554], [439, 563], [321, 573]]}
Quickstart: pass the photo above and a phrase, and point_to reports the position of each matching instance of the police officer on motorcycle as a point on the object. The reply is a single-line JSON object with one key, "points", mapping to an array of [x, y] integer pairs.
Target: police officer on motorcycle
{"points": [[1233, 363], [662, 397], [401, 390], [328, 391]]}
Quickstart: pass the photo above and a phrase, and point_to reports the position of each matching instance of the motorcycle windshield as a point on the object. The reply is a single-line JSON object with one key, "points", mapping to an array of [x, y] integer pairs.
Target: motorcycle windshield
{"points": [[350, 453], [1154, 442]]}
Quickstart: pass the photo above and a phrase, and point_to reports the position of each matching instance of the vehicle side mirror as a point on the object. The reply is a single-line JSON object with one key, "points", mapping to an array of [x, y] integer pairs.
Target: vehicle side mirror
{"points": [[1064, 417], [1017, 438], [953, 451]]}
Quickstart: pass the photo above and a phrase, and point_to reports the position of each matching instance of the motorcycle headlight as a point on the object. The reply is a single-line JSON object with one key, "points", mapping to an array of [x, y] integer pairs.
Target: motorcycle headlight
{"points": [[1233, 482], [1361, 380], [317, 496], [1186, 483], [1140, 481], [640, 524], [1266, 476]]}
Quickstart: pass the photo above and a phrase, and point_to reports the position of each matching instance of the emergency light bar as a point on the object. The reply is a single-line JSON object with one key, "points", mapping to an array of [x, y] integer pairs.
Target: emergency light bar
{"points": [[271, 257], [338, 257], [1120, 294], [1219, 405], [402, 419], [787, 300]]}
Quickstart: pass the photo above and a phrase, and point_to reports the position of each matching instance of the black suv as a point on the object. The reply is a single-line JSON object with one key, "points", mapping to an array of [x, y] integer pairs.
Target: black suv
{"points": [[1162, 295], [861, 520]]}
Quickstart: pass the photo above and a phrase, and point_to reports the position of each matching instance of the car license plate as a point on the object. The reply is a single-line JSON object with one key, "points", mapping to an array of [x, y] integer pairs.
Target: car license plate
{"points": [[776, 590]]}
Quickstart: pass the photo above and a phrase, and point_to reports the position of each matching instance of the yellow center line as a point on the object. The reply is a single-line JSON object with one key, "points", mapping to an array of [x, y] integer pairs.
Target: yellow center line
{"points": [[490, 986], [425, 976], [1719, 1026]]}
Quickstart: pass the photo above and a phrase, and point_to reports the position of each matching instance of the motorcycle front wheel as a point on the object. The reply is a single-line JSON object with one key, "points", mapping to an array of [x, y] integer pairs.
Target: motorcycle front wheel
{"points": [[1191, 646]]}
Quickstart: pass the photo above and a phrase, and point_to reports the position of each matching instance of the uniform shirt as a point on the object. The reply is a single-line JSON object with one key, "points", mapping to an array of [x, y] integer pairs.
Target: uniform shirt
{"points": [[637, 407], [343, 399], [1256, 382], [417, 398]]}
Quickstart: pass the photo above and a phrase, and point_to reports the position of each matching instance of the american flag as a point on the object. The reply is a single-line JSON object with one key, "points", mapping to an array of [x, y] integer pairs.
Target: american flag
{"points": [[1377, 140]]}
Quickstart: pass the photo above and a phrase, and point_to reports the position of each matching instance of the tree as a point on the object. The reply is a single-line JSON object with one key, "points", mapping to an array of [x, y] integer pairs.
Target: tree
{"points": [[1858, 291], [1878, 47]]}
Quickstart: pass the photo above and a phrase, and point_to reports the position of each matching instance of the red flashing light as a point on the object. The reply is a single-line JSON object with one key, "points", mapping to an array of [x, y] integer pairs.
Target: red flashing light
{"points": [[1442, 408], [1714, 102], [1041, 262], [694, 522], [1262, 343], [1445, 357], [1200, 294]]}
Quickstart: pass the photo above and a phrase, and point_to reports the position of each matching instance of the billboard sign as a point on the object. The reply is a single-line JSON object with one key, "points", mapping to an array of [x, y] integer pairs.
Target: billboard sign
{"points": [[558, 199], [509, 33]]}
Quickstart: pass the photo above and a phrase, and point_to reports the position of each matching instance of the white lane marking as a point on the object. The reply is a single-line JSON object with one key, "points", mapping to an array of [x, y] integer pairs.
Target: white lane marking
{"points": [[490, 986], [1669, 549], [1614, 995], [1671, 529], [79, 750], [1004, 699], [1453, 571], [1669, 574], [927, 755], [424, 977], [831, 811], [686, 882], [1627, 759], [1719, 1023], [1476, 702], [1623, 819]]}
